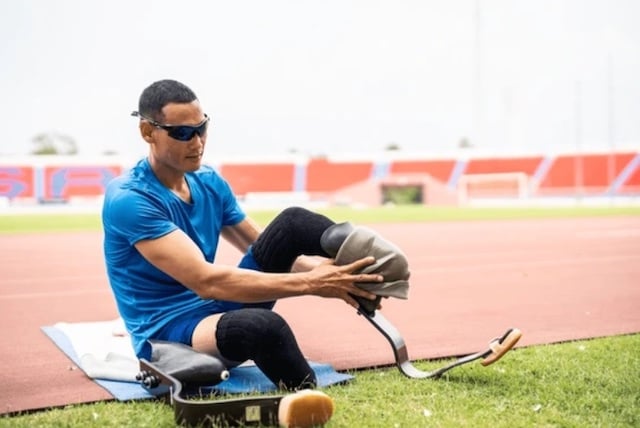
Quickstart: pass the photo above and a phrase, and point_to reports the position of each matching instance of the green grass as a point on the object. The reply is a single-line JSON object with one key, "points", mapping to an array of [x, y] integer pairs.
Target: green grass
{"points": [[407, 213], [591, 383], [37, 223]]}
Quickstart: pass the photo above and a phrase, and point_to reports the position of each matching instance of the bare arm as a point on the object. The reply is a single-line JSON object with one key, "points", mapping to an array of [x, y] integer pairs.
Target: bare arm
{"points": [[242, 234], [179, 257]]}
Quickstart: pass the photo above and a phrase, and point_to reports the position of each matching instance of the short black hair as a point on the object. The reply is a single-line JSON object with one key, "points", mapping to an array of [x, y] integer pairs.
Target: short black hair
{"points": [[159, 94]]}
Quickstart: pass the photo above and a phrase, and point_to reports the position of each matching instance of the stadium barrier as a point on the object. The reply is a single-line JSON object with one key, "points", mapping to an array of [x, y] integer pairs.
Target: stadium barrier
{"points": [[56, 181]]}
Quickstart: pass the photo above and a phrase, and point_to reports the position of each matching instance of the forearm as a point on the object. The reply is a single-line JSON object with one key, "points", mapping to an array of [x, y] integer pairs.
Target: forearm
{"points": [[249, 286], [325, 280]]}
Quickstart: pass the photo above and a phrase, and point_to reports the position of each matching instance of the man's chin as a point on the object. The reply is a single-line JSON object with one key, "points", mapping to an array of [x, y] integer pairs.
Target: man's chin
{"points": [[193, 164]]}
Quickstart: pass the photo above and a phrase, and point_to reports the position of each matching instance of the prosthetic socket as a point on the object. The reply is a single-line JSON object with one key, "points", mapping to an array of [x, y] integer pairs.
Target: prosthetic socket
{"points": [[346, 244]]}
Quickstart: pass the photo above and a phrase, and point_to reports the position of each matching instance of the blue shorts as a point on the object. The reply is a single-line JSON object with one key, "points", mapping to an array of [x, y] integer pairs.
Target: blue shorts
{"points": [[181, 329]]}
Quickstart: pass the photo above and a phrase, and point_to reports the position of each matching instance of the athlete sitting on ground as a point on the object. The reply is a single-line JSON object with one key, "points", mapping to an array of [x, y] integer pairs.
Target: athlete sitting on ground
{"points": [[162, 222]]}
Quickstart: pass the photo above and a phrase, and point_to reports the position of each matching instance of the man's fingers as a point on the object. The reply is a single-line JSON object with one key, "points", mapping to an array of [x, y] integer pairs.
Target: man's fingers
{"points": [[349, 279], [367, 277], [363, 293], [351, 301], [361, 263]]}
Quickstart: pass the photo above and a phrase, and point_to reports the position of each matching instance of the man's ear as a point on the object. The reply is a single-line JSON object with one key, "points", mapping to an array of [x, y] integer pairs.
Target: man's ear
{"points": [[146, 131]]}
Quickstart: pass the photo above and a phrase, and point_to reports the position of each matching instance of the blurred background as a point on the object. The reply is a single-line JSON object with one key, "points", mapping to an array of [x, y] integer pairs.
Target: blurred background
{"points": [[320, 77], [296, 81]]}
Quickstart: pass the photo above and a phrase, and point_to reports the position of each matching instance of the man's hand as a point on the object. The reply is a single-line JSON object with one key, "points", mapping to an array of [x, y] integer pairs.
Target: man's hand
{"points": [[330, 280]]}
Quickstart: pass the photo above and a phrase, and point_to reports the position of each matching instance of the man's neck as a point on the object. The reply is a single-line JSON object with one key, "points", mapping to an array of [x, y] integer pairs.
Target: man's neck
{"points": [[172, 179]]}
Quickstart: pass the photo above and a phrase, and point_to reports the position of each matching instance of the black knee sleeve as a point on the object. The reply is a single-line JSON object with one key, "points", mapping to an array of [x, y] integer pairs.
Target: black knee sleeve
{"points": [[294, 232], [264, 337]]}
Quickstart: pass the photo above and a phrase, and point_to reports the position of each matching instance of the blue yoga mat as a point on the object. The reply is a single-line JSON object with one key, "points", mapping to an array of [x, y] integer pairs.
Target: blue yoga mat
{"points": [[243, 379]]}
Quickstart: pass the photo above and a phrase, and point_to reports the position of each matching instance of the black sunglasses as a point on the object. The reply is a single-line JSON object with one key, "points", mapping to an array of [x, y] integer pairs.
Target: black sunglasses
{"points": [[179, 132]]}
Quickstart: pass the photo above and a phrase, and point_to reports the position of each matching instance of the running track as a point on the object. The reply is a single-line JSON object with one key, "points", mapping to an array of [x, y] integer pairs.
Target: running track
{"points": [[556, 280]]}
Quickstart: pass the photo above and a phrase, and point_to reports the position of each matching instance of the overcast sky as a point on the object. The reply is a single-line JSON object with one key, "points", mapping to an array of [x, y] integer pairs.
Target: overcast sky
{"points": [[326, 77]]}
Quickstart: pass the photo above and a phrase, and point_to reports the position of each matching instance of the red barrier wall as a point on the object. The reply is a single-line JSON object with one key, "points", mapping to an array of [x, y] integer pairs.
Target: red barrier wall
{"points": [[326, 176], [59, 182], [528, 165], [244, 178], [17, 182], [632, 183], [596, 171], [63, 182], [60, 178], [633, 180], [438, 169]]}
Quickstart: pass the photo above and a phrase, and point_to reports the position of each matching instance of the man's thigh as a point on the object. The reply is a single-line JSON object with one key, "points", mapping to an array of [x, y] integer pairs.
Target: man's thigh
{"points": [[204, 335]]}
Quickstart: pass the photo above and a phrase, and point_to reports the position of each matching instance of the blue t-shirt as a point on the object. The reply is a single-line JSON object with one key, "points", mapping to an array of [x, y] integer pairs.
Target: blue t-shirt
{"points": [[137, 207]]}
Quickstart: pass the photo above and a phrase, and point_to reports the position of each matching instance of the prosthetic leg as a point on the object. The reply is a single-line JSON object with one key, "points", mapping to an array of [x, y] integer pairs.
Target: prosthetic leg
{"points": [[177, 373], [346, 244], [496, 349]]}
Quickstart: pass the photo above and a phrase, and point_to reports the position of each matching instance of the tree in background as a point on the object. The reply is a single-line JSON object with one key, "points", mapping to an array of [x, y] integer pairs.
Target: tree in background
{"points": [[392, 146], [464, 143], [48, 143]]}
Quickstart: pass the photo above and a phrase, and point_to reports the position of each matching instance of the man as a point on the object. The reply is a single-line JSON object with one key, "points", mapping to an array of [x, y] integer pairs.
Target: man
{"points": [[162, 222]]}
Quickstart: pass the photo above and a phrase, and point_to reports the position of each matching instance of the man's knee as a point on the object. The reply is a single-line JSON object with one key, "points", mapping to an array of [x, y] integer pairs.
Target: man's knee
{"points": [[264, 337], [243, 333], [294, 232]]}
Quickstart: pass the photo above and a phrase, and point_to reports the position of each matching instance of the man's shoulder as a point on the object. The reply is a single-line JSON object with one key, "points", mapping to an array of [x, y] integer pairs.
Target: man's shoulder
{"points": [[135, 177]]}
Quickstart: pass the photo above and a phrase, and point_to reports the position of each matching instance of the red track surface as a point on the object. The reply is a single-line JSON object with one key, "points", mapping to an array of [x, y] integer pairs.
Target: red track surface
{"points": [[556, 280]]}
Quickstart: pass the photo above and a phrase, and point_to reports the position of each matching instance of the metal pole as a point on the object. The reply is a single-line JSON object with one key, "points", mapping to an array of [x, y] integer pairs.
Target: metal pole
{"points": [[611, 164], [477, 114], [578, 162]]}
